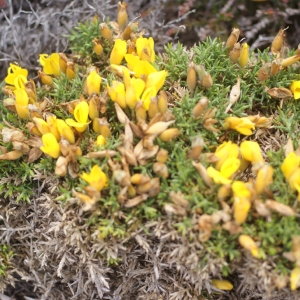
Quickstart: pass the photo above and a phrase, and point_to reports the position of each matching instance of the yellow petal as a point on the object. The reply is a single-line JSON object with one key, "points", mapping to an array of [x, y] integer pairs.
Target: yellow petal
{"points": [[217, 176], [118, 52], [222, 284], [65, 131], [295, 278], [51, 146], [230, 166], [251, 151], [248, 243]]}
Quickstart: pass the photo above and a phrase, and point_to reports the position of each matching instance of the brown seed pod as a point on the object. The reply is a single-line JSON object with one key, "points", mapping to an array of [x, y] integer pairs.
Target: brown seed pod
{"points": [[161, 169], [233, 38], [263, 73], [234, 54], [277, 43], [275, 67], [200, 107]]}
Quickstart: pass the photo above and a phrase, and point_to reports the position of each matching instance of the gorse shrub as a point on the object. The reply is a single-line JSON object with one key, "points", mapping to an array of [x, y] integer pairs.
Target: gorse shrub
{"points": [[194, 136]]}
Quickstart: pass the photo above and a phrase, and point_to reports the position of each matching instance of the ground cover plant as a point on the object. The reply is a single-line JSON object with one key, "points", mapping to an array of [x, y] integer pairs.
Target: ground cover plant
{"points": [[147, 175]]}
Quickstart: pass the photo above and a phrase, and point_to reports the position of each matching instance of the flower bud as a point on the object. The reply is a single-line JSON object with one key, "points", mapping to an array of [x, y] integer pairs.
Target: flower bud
{"points": [[140, 111], [105, 31], [162, 103], [100, 125], [101, 140], [200, 107], [206, 81], [93, 108], [139, 179], [30, 90], [70, 71], [162, 155], [98, 49], [45, 79], [122, 14], [153, 108], [191, 77], [169, 134], [244, 57], [248, 243], [224, 191], [130, 28]]}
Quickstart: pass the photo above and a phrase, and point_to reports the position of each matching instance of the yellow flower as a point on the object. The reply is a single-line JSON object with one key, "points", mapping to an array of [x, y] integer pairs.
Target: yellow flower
{"points": [[242, 125], [117, 93], [140, 68], [229, 167], [145, 49], [118, 52], [225, 150], [50, 64], [240, 190], [65, 131], [22, 103], [156, 79], [97, 178], [93, 83], [224, 285], [17, 76], [295, 278], [251, 151], [81, 114], [294, 180], [51, 146], [295, 89], [242, 201], [290, 164]]}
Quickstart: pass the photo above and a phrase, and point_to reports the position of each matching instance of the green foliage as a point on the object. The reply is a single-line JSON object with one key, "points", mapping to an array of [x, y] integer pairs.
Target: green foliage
{"points": [[6, 254], [81, 38]]}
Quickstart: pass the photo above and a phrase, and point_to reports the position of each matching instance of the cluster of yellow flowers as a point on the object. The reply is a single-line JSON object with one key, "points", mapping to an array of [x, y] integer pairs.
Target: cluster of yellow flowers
{"points": [[137, 90]]}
